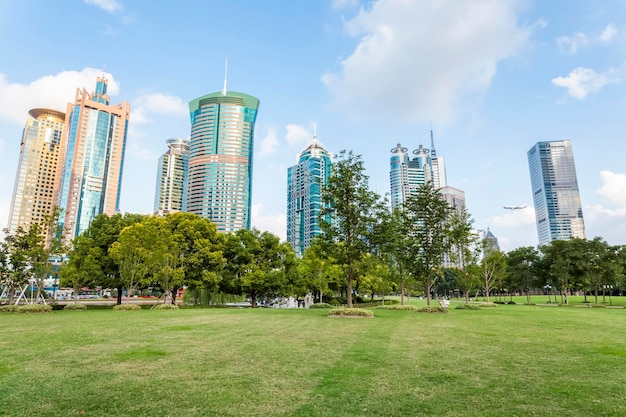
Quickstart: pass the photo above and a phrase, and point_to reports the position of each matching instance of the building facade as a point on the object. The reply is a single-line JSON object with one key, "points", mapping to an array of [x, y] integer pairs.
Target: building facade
{"points": [[93, 155], [304, 195], [219, 184], [171, 185], [407, 175], [558, 208], [36, 187]]}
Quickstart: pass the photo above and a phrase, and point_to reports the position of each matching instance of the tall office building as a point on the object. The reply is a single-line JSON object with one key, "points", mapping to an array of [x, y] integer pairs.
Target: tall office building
{"points": [[37, 182], [454, 197], [91, 175], [558, 209], [407, 175], [171, 184], [438, 165], [219, 184], [304, 195]]}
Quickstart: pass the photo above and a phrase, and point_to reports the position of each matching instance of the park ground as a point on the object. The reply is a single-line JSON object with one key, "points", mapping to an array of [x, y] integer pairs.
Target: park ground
{"points": [[513, 360]]}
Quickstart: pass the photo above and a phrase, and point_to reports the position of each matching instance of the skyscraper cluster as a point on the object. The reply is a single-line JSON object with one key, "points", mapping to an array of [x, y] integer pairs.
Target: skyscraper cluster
{"points": [[71, 160]]}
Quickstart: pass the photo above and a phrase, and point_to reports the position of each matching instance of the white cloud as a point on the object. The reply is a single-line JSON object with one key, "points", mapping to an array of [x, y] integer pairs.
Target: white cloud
{"points": [[344, 4], [571, 44], [273, 223], [418, 61], [109, 6], [608, 33], [613, 188], [51, 91], [519, 217], [581, 82], [298, 135], [269, 143], [157, 103]]}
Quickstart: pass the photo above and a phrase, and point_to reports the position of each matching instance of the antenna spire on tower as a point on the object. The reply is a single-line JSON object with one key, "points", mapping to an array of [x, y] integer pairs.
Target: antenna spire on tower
{"points": [[433, 154], [225, 77], [314, 131]]}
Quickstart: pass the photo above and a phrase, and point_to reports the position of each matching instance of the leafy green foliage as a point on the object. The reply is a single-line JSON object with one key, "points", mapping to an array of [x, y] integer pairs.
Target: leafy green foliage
{"points": [[432, 309], [467, 307], [8, 309], [350, 312], [126, 307], [408, 307], [321, 305], [34, 308], [166, 307]]}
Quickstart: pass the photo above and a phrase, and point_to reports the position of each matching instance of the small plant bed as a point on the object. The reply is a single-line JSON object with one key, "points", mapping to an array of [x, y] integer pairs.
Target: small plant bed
{"points": [[350, 313], [467, 307], [398, 307], [165, 307], [8, 309], [432, 309], [126, 307], [75, 306], [34, 308], [321, 305], [487, 305]]}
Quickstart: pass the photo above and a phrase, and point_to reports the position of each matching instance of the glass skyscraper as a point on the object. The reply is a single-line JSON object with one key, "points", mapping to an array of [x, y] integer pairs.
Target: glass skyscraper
{"points": [[304, 195], [93, 155], [558, 209], [171, 185], [219, 184], [37, 181], [407, 175]]}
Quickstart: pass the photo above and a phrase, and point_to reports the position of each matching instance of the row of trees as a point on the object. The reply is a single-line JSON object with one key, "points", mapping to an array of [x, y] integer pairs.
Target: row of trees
{"points": [[365, 247]]}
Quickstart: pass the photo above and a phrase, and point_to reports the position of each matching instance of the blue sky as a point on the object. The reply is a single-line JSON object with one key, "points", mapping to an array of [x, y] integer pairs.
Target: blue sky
{"points": [[492, 77]]}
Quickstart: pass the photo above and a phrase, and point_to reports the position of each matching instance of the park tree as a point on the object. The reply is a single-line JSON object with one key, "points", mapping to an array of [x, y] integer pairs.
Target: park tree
{"points": [[464, 251], [96, 241], [521, 267], [318, 268], [427, 228], [353, 209], [493, 270], [256, 263], [601, 265], [201, 248], [561, 263]]}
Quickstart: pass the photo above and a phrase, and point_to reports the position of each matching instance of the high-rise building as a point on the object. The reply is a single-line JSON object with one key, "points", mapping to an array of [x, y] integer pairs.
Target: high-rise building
{"points": [[91, 174], [304, 195], [438, 166], [219, 184], [454, 197], [171, 184], [407, 175], [558, 209], [37, 181]]}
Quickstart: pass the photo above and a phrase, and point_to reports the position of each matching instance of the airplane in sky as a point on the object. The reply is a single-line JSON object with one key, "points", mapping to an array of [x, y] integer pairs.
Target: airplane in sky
{"points": [[515, 207]]}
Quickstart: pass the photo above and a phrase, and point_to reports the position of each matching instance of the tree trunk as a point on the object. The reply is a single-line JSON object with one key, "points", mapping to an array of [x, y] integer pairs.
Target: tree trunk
{"points": [[253, 298], [349, 292], [402, 292], [595, 293], [466, 297], [119, 295], [428, 287]]}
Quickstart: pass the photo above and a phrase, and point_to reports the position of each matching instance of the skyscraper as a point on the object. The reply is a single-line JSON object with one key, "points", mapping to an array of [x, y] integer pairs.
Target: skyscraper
{"points": [[37, 181], [91, 174], [219, 184], [304, 195], [558, 209], [438, 165], [171, 183], [407, 175]]}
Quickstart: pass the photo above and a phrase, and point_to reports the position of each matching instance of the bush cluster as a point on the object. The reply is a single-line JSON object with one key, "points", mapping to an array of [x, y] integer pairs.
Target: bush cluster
{"points": [[511, 302], [8, 309], [321, 305], [488, 305], [398, 307], [75, 306], [432, 309], [34, 308], [467, 307], [334, 302], [124, 307], [167, 306], [350, 312]]}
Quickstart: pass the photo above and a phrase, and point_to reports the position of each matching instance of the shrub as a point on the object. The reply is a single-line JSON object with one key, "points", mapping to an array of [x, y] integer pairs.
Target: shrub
{"points": [[487, 305], [499, 302], [432, 309], [8, 309], [321, 305], [398, 307], [350, 312], [124, 307], [511, 302], [168, 306], [34, 308], [334, 302], [75, 306], [467, 307]]}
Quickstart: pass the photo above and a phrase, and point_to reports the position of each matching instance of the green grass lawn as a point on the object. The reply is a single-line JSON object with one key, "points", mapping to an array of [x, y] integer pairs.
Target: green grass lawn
{"points": [[512, 360]]}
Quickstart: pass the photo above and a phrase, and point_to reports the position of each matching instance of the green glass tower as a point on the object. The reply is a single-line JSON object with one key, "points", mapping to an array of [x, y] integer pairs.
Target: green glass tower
{"points": [[219, 182]]}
